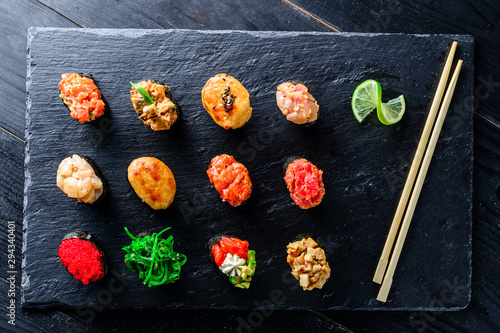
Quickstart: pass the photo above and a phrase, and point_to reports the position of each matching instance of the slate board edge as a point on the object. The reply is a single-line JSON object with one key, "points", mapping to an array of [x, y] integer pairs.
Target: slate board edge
{"points": [[63, 306], [27, 177], [32, 31], [471, 174]]}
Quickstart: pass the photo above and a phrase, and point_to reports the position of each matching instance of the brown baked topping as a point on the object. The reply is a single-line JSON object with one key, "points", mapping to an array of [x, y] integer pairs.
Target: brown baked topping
{"points": [[160, 115], [308, 263]]}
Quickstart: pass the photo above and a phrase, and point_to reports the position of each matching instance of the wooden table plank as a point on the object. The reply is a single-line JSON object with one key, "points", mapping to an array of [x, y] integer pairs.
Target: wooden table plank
{"points": [[267, 320], [38, 321], [11, 203], [486, 178], [187, 14], [16, 18]]}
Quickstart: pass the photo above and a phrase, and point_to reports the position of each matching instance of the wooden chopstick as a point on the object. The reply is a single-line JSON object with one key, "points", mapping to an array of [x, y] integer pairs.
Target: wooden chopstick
{"points": [[386, 285], [384, 258]]}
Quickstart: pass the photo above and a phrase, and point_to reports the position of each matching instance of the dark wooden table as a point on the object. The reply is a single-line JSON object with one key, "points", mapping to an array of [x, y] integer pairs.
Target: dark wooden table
{"points": [[479, 18]]}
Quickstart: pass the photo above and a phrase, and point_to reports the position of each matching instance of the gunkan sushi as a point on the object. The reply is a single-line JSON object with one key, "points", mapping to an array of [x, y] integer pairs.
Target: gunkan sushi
{"points": [[153, 181], [79, 178], [82, 257], [230, 178], [152, 257], [296, 103], [155, 104], [81, 96], [308, 262], [304, 181], [227, 101], [233, 260]]}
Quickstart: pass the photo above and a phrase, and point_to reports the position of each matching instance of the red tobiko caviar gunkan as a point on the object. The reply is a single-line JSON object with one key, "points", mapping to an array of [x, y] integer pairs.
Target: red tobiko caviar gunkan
{"points": [[82, 257]]}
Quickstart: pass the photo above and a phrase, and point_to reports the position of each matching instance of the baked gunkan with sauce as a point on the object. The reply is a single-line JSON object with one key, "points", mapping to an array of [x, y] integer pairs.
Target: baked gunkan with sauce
{"points": [[153, 181], [230, 178], [296, 103], [227, 101], [81, 96], [155, 104]]}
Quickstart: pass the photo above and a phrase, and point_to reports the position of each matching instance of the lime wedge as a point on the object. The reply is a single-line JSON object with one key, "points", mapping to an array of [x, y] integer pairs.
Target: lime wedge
{"points": [[366, 98], [391, 112]]}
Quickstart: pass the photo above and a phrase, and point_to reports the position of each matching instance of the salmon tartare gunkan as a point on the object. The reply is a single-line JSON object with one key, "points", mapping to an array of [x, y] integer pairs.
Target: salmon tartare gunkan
{"points": [[230, 178], [305, 182], [81, 96]]}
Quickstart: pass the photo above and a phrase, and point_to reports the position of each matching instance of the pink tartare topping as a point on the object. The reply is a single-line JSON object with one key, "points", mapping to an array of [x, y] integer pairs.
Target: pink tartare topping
{"points": [[296, 103]]}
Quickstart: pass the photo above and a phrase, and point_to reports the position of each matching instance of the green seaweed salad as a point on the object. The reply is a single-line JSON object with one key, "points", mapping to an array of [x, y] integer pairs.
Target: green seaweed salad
{"points": [[154, 258]]}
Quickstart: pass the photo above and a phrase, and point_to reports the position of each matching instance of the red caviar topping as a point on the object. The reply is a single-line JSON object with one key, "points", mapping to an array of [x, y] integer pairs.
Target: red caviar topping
{"points": [[82, 259], [305, 183], [230, 178]]}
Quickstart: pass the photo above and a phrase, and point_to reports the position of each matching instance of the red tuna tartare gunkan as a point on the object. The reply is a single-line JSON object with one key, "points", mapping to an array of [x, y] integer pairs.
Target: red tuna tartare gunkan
{"points": [[305, 183], [230, 178], [81, 96]]}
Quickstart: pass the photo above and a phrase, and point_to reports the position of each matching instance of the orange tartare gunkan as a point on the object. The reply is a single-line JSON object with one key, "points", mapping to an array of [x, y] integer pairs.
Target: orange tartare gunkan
{"points": [[230, 178], [305, 183], [80, 94]]}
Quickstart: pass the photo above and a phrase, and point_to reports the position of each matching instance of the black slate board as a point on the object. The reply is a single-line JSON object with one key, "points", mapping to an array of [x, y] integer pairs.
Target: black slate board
{"points": [[364, 167]]}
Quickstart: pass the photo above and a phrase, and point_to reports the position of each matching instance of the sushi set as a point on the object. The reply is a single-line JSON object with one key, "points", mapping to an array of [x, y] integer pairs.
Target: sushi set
{"points": [[227, 161]]}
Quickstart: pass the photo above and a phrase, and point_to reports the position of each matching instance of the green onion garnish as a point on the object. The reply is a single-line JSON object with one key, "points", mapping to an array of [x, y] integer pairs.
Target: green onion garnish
{"points": [[154, 259], [144, 93]]}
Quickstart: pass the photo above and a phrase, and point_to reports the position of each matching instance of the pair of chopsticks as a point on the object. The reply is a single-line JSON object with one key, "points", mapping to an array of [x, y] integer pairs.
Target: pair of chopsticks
{"points": [[420, 167]]}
